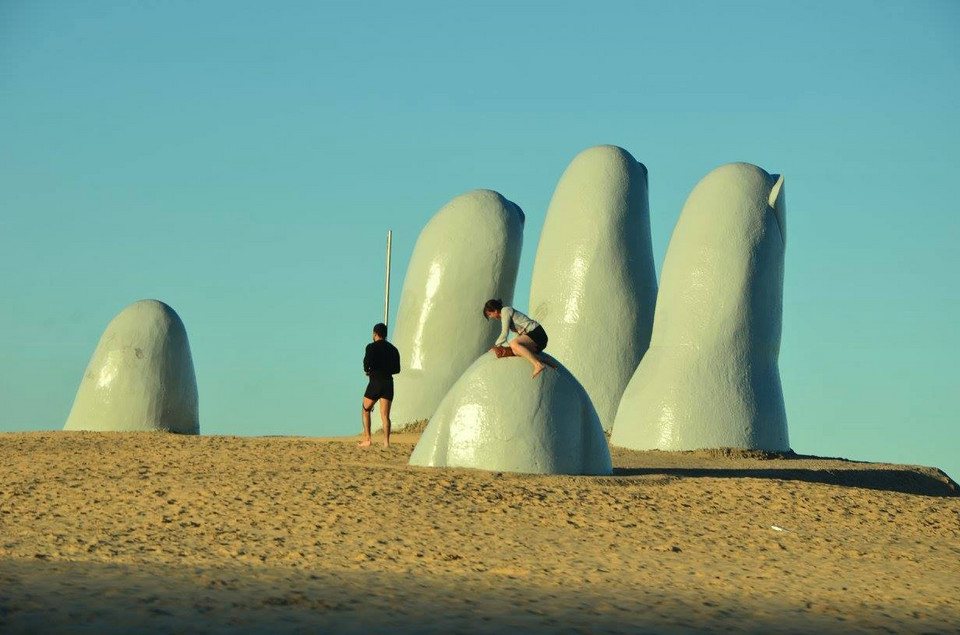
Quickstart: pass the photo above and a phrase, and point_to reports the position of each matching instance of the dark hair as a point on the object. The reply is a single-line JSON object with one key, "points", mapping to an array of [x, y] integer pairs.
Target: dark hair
{"points": [[380, 329], [491, 306]]}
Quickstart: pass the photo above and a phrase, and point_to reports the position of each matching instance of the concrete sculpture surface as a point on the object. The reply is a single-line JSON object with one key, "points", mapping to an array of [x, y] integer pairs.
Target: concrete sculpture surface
{"points": [[710, 378], [594, 286], [495, 417], [140, 377], [468, 253]]}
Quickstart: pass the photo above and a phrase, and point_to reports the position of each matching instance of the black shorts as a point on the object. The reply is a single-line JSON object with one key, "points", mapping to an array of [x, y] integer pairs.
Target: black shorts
{"points": [[539, 337], [380, 387]]}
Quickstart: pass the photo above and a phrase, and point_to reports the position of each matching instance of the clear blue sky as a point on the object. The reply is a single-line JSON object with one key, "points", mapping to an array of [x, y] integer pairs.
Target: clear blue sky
{"points": [[243, 161]]}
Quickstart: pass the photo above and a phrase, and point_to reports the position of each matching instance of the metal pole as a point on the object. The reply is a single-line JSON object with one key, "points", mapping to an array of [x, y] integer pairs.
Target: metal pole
{"points": [[386, 295]]}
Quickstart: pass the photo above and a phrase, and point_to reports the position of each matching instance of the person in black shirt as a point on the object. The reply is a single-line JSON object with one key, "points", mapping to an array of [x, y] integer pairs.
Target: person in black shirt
{"points": [[381, 362]]}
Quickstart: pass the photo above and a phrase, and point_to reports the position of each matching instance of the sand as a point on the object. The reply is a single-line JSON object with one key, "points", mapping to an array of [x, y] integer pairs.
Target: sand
{"points": [[108, 532]]}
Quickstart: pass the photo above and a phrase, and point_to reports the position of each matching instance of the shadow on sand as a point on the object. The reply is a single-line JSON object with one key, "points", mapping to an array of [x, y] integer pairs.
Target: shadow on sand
{"points": [[923, 481], [58, 596]]}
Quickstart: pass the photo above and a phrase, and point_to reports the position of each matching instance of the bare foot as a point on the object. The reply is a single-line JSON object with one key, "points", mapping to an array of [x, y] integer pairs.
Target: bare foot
{"points": [[366, 443], [386, 443], [537, 370]]}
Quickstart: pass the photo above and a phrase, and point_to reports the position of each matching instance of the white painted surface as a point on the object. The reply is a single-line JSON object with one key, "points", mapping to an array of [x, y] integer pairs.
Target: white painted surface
{"points": [[496, 417], [710, 378], [594, 286], [140, 376], [468, 253]]}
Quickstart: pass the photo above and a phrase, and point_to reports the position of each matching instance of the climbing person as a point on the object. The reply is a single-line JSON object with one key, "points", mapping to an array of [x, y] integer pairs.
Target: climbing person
{"points": [[380, 362], [531, 339]]}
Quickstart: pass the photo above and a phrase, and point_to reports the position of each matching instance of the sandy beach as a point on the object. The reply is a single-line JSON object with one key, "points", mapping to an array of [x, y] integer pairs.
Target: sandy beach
{"points": [[116, 532]]}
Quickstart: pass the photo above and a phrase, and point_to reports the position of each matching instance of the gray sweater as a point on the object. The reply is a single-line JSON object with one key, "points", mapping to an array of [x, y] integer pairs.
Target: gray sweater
{"points": [[513, 320]]}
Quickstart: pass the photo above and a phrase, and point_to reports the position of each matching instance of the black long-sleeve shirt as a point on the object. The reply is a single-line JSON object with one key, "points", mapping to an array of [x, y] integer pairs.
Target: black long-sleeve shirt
{"points": [[381, 359]]}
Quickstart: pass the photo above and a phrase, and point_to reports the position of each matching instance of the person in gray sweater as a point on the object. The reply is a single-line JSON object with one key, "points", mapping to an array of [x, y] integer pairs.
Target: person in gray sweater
{"points": [[531, 339]]}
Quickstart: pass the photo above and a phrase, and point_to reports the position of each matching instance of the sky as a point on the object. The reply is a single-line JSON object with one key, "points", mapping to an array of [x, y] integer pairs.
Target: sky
{"points": [[243, 161]]}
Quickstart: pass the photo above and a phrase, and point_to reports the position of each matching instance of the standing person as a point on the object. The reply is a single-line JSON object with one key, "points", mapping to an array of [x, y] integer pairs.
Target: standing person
{"points": [[531, 339], [380, 362]]}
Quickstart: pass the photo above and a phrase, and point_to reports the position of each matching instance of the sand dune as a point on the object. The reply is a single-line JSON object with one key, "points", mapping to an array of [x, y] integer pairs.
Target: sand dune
{"points": [[102, 532]]}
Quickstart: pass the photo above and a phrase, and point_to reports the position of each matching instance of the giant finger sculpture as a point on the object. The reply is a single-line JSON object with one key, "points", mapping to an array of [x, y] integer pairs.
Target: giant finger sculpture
{"points": [[594, 285], [468, 253], [140, 376], [710, 378], [496, 417]]}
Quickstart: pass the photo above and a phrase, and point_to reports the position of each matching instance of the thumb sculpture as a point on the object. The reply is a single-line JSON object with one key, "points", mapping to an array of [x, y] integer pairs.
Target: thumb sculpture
{"points": [[710, 378], [468, 253], [140, 376], [496, 417], [594, 286]]}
